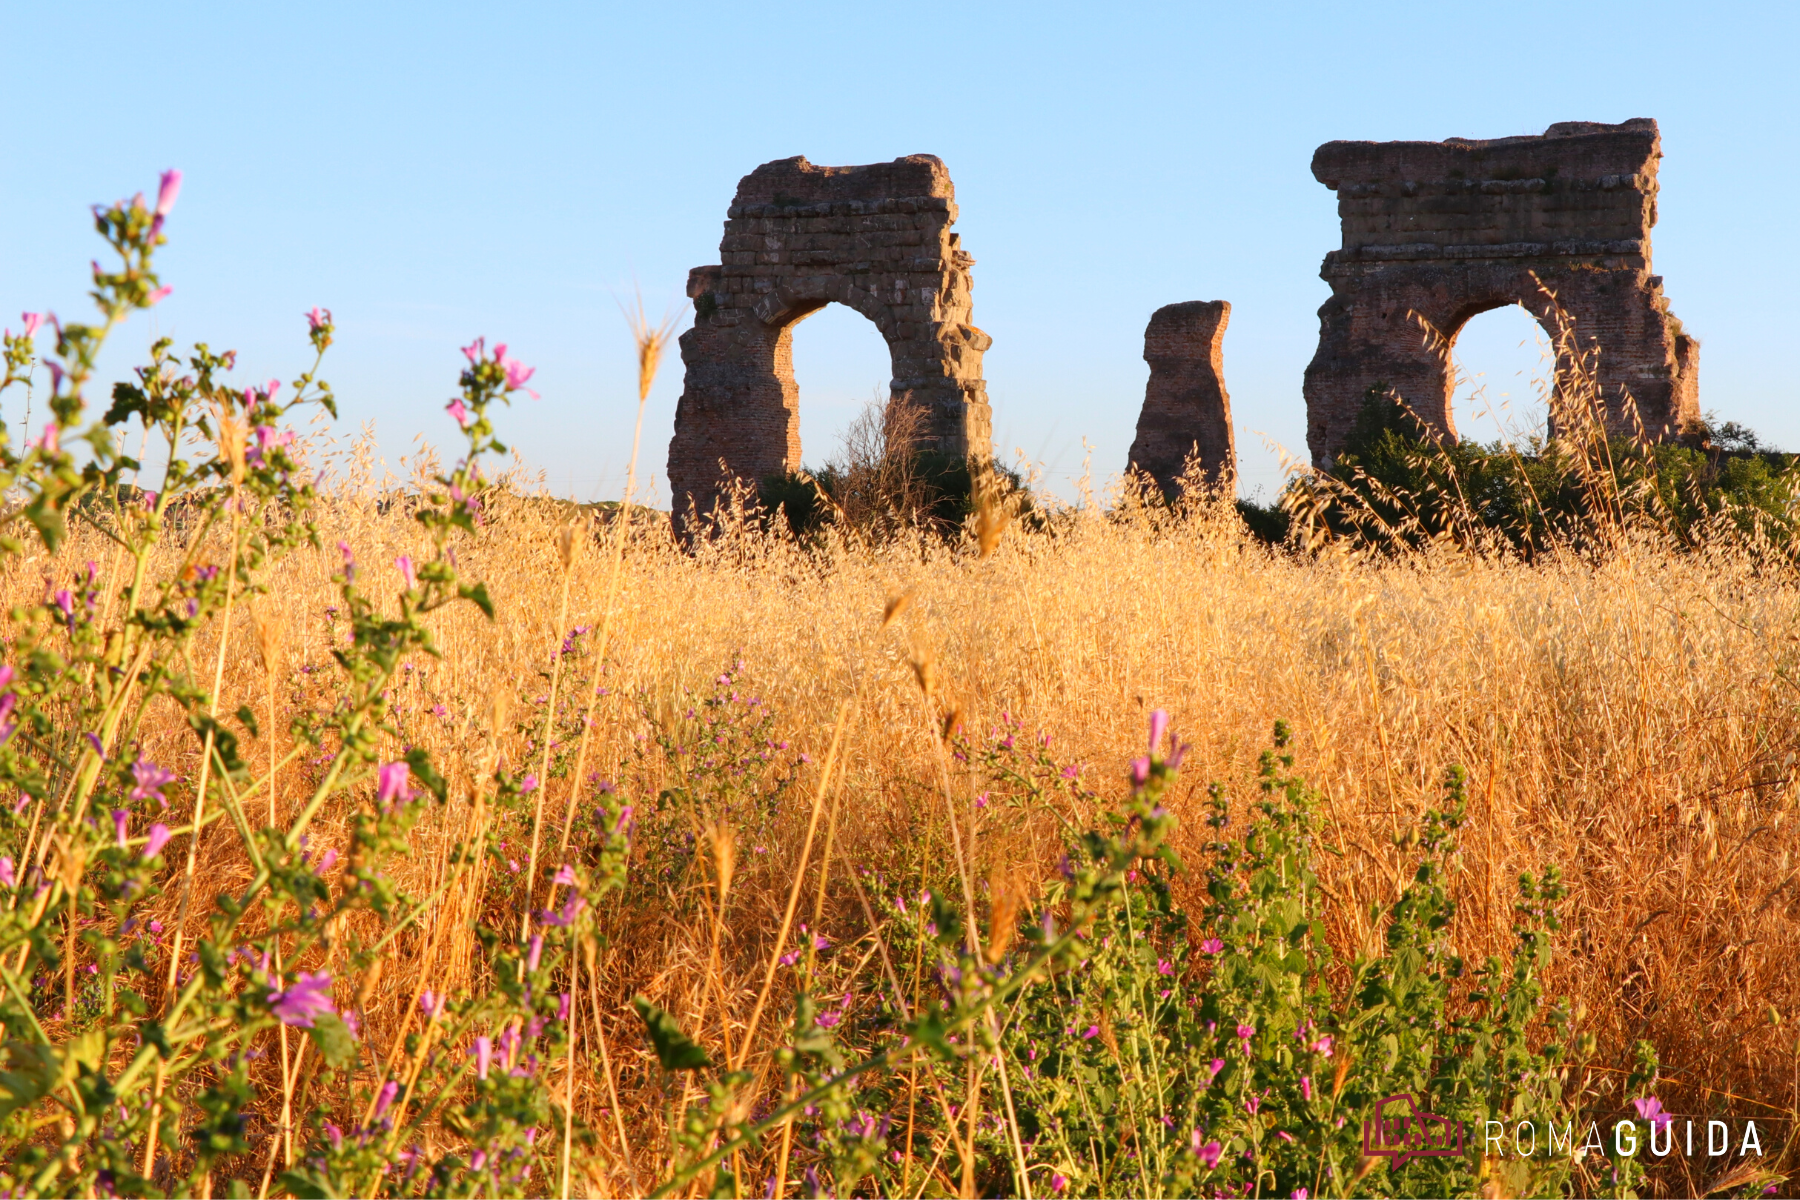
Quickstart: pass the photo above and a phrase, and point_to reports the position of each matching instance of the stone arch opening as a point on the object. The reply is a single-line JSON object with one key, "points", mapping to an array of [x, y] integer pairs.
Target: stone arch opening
{"points": [[1502, 367], [840, 361], [797, 237], [1435, 232]]}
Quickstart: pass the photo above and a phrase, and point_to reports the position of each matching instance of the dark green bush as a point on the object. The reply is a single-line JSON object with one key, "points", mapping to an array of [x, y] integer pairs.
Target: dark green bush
{"points": [[921, 490], [1395, 483]]}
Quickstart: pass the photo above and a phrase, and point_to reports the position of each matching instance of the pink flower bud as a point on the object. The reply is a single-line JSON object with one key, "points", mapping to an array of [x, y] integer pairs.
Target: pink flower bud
{"points": [[1159, 724], [165, 195], [159, 837]]}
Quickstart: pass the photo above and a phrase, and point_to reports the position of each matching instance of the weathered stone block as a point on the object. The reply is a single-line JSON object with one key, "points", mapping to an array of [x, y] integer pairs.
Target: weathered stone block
{"points": [[1186, 409]]}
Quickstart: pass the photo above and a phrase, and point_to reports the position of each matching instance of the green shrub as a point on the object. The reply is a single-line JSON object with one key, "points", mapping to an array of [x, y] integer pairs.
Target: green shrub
{"points": [[1394, 483]]}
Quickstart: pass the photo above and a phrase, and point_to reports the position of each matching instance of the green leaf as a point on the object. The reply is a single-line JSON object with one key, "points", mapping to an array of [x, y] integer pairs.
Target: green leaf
{"points": [[418, 761], [248, 720], [51, 527], [479, 595], [932, 1034], [224, 744], [674, 1049], [304, 1184], [40, 1070], [334, 1040]]}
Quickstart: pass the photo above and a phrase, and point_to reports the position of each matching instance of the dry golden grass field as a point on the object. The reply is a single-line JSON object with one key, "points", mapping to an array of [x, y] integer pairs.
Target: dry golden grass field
{"points": [[1629, 715]]}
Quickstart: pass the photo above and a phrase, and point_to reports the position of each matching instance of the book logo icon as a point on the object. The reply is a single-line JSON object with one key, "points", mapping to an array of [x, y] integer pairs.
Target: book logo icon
{"points": [[1402, 1130]]}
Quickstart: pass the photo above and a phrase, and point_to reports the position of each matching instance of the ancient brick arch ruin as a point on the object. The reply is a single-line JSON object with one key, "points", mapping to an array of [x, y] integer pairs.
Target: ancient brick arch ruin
{"points": [[798, 237], [1444, 230]]}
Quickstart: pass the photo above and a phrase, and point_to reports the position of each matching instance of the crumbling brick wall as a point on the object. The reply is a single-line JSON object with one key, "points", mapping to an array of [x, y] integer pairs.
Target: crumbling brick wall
{"points": [[797, 237], [1444, 230], [1186, 409]]}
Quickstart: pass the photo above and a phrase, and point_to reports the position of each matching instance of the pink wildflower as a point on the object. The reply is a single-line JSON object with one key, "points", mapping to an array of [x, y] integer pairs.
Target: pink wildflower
{"points": [[151, 779], [405, 565], [570, 910], [32, 322], [456, 408], [484, 1055], [516, 372], [121, 820], [307, 999], [392, 785], [1650, 1109]]}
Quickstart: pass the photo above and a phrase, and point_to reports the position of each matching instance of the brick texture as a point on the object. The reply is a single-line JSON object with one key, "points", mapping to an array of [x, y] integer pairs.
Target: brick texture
{"points": [[1435, 232], [798, 237]]}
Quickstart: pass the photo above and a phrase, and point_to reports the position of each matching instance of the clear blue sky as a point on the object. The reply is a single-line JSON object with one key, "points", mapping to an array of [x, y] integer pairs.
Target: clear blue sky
{"points": [[434, 172]]}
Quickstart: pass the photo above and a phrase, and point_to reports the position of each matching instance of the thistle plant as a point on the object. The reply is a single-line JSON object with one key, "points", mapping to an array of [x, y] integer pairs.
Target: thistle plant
{"points": [[137, 1080]]}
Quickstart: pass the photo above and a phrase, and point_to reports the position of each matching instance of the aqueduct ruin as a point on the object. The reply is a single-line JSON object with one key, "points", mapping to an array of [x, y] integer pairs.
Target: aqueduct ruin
{"points": [[1433, 233], [1441, 231], [798, 237], [1186, 409]]}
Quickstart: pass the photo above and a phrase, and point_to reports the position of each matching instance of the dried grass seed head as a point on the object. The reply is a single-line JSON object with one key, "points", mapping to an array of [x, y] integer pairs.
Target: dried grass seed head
{"points": [[724, 850], [953, 717], [1004, 895], [271, 634], [565, 545], [925, 671], [231, 438], [991, 515], [651, 341], [897, 603]]}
